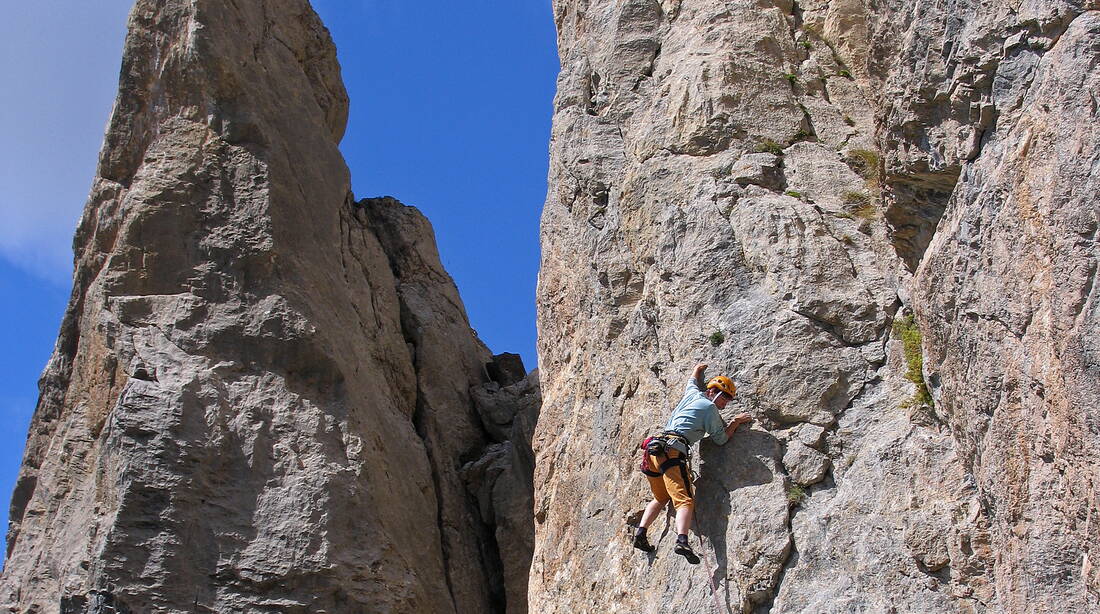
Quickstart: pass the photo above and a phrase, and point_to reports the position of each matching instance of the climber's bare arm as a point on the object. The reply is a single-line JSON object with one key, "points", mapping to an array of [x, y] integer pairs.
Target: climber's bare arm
{"points": [[737, 421], [697, 375]]}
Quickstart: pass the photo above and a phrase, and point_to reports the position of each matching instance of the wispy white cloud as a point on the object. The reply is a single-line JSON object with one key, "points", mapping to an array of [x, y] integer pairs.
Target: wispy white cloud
{"points": [[59, 62], [40, 249]]}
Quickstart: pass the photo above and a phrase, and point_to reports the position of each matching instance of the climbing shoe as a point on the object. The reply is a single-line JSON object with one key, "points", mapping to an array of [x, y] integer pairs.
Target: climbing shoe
{"points": [[683, 548], [642, 543]]}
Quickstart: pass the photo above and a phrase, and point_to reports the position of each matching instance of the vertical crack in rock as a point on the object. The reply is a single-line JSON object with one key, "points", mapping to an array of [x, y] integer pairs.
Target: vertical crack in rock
{"points": [[474, 428], [767, 603], [814, 474], [420, 420]]}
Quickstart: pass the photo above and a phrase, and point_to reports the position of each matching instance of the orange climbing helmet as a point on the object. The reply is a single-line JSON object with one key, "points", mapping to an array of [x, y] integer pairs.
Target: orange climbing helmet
{"points": [[722, 383]]}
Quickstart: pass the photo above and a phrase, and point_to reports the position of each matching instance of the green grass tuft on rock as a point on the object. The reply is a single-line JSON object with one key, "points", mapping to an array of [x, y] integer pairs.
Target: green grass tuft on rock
{"points": [[906, 329], [865, 163], [796, 494], [768, 146], [857, 198]]}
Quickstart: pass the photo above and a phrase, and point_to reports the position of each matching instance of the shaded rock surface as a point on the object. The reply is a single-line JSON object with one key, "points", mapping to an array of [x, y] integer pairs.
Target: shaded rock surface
{"points": [[776, 172], [501, 479], [263, 393]]}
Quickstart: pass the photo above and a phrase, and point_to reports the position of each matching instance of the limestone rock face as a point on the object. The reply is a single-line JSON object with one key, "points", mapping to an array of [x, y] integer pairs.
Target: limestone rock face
{"points": [[260, 399], [1007, 293], [752, 184]]}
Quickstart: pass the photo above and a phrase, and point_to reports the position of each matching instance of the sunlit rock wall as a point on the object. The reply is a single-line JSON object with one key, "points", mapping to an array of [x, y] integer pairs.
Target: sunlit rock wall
{"points": [[752, 184], [263, 395]]}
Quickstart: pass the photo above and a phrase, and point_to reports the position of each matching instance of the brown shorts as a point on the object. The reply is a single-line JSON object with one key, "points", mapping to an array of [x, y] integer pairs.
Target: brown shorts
{"points": [[674, 484]]}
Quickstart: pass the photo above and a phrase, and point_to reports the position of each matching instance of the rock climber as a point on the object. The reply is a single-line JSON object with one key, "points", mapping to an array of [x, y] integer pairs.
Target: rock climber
{"points": [[665, 456]]}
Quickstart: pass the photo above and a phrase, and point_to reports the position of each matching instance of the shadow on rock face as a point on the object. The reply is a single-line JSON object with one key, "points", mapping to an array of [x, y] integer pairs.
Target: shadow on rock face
{"points": [[739, 463], [747, 460]]}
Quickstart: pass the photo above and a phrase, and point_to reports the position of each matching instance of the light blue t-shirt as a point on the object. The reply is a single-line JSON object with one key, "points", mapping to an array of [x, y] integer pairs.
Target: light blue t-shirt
{"points": [[697, 417]]}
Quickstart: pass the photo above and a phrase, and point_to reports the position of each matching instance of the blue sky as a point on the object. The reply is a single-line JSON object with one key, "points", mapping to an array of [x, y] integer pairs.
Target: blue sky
{"points": [[450, 112]]}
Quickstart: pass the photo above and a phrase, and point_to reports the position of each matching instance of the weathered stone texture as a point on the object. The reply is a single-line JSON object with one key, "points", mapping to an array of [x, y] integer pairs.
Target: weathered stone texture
{"points": [[501, 480], [260, 399], [1008, 296], [775, 171]]}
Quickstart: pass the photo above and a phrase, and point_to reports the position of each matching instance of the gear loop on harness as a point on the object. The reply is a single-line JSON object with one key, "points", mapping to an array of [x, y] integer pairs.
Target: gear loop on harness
{"points": [[658, 446]]}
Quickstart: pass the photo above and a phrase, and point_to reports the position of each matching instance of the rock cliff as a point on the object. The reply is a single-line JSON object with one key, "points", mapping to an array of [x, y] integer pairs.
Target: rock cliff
{"points": [[266, 395], [880, 219]]}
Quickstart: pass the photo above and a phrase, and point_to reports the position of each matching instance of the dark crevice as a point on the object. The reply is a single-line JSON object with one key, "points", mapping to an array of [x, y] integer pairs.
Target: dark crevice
{"points": [[916, 203], [974, 316], [653, 61], [796, 12], [420, 420], [93, 602], [647, 72], [427, 429], [808, 130], [829, 328], [508, 456], [789, 562], [505, 370], [591, 94]]}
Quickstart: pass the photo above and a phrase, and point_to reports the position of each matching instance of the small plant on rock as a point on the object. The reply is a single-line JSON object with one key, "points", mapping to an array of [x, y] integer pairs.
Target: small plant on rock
{"points": [[790, 77], [716, 338], [796, 494], [844, 72], [848, 120], [906, 329], [769, 146], [867, 164], [806, 45], [853, 197], [866, 211], [864, 162], [793, 193]]}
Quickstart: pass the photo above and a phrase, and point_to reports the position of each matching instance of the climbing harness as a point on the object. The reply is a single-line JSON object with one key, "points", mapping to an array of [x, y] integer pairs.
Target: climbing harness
{"points": [[658, 446]]}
